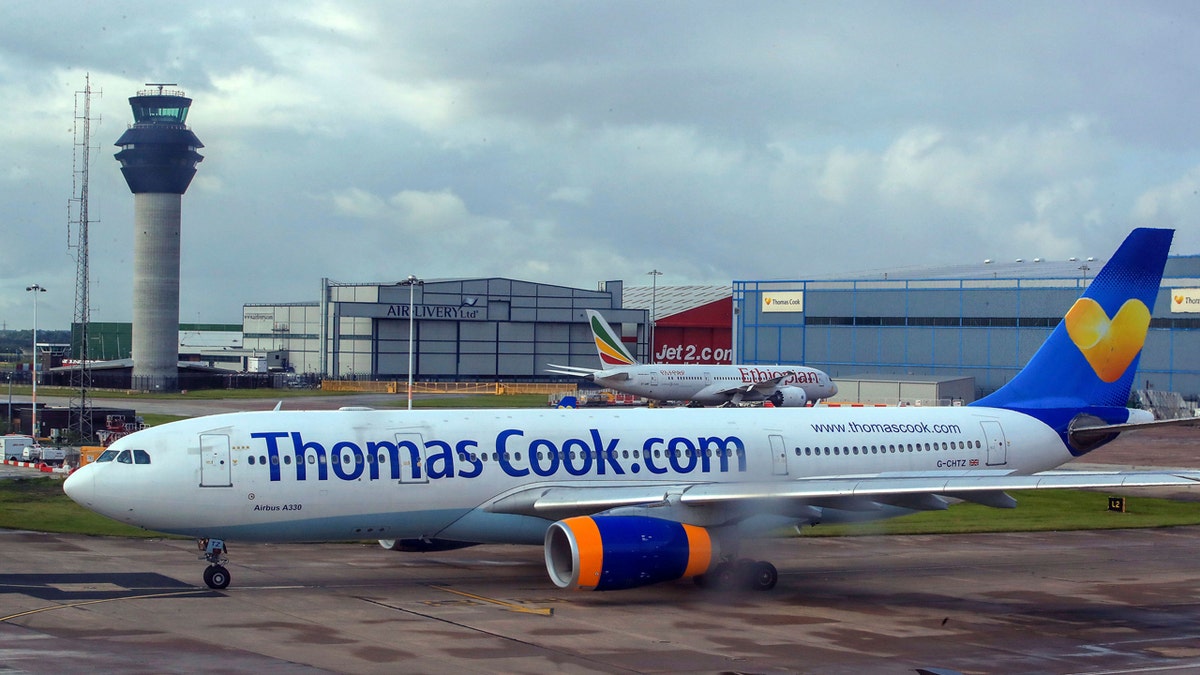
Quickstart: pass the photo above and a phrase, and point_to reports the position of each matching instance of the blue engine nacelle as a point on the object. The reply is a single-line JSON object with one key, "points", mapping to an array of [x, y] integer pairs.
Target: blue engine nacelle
{"points": [[610, 553]]}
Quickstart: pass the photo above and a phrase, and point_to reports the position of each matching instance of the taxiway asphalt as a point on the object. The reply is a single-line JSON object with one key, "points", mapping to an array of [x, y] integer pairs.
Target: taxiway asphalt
{"points": [[1073, 602]]}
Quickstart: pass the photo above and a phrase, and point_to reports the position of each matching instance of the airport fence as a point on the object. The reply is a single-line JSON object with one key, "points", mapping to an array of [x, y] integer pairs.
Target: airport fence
{"points": [[493, 388]]}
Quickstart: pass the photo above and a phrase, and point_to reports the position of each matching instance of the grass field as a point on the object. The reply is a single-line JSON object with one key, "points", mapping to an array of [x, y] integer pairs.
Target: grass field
{"points": [[1037, 511], [39, 504]]}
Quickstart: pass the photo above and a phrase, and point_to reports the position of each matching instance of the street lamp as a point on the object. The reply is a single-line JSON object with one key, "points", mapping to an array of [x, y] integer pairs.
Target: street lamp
{"points": [[33, 423], [654, 275], [412, 282]]}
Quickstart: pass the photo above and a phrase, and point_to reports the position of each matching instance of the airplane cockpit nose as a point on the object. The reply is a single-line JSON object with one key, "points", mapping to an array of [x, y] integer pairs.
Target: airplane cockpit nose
{"points": [[80, 486]]}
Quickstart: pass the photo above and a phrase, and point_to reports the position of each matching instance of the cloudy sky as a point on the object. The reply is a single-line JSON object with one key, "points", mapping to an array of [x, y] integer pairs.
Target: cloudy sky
{"points": [[574, 142]]}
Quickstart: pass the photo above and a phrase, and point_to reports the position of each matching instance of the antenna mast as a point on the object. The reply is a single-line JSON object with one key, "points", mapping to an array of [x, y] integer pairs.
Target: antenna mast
{"points": [[81, 376]]}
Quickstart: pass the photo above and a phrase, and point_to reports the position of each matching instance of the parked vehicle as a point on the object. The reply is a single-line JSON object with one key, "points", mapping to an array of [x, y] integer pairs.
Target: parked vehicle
{"points": [[13, 446], [44, 454]]}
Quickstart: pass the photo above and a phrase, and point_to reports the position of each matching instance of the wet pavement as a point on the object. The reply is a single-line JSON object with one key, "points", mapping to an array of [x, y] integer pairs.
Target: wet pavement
{"points": [[1077, 602]]}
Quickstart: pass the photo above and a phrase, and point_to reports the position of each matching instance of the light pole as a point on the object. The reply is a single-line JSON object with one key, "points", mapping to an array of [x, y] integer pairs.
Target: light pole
{"points": [[654, 275], [412, 282], [33, 423]]}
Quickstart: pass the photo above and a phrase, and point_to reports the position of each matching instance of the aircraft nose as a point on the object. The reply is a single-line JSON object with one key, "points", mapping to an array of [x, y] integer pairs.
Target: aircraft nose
{"points": [[832, 388], [80, 486]]}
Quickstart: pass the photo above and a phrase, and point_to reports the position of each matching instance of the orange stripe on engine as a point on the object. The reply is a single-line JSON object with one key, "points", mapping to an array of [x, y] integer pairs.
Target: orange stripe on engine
{"points": [[591, 551], [700, 545]]}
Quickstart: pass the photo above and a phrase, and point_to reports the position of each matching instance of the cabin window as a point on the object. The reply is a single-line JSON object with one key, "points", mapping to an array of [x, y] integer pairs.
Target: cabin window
{"points": [[312, 459], [287, 459], [251, 460]]}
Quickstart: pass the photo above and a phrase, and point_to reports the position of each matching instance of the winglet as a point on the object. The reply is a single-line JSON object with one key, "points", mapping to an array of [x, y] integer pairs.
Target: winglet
{"points": [[1091, 358], [612, 351]]}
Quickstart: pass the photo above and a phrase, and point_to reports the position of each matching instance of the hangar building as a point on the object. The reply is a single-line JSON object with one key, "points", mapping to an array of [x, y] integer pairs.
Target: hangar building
{"points": [[462, 329], [983, 321], [930, 325]]}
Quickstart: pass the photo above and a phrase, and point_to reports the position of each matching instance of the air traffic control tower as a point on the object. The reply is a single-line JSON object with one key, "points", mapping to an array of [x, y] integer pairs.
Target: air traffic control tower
{"points": [[158, 157]]}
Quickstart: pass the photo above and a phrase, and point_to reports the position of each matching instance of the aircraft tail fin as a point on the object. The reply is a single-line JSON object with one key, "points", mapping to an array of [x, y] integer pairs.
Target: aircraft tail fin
{"points": [[613, 353], [1088, 363]]}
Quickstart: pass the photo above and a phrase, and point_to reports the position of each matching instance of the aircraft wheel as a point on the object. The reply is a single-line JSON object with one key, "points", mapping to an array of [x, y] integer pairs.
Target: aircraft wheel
{"points": [[216, 577], [725, 576], [763, 576]]}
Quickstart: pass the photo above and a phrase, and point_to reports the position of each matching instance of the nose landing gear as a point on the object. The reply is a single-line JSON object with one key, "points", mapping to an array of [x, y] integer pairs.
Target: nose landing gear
{"points": [[215, 576]]}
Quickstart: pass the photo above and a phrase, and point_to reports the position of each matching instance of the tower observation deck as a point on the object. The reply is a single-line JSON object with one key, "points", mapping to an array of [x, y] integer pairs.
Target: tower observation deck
{"points": [[158, 153], [158, 159]]}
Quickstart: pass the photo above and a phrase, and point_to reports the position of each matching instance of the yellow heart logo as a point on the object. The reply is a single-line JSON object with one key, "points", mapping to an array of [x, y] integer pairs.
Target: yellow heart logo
{"points": [[1108, 345], [1179, 299], [768, 300]]}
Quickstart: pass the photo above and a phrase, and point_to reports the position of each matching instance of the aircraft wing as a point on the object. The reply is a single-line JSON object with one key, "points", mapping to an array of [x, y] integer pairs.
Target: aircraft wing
{"points": [[859, 493], [764, 387], [957, 485]]}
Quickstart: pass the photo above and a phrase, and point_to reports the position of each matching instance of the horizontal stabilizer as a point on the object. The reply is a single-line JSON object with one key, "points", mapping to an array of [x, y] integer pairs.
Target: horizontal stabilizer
{"points": [[573, 371], [1084, 435]]}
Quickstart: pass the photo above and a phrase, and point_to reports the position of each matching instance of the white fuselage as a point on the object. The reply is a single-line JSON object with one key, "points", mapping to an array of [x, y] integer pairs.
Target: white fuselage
{"points": [[713, 384], [361, 474]]}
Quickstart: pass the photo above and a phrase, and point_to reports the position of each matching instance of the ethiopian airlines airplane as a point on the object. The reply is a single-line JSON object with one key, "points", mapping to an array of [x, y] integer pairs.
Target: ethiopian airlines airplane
{"points": [[783, 386], [629, 497]]}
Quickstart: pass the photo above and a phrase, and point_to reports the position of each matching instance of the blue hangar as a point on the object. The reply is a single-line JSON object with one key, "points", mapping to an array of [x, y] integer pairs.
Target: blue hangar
{"points": [[983, 321]]}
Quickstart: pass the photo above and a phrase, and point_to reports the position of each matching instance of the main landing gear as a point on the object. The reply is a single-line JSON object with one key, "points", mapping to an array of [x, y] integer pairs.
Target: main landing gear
{"points": [[757, 575], [215, 576]]}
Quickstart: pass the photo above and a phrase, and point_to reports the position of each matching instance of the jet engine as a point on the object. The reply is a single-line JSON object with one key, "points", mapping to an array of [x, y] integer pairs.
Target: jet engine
{"points": [[789, 397], [609, 553]]}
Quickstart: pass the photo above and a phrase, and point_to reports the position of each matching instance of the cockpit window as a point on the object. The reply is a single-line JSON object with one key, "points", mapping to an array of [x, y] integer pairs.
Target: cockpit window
{"points": [[125, 457], [107, 456], [141, 457]]}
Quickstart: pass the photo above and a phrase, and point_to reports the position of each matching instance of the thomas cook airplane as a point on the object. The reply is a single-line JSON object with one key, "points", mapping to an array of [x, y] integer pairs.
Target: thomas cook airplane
{"points": [[625, 498], [783, 386]]}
